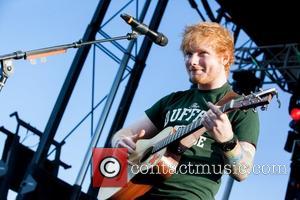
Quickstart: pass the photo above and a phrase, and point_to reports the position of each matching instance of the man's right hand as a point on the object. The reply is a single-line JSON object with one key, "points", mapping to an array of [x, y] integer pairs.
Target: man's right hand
{"points": [[129, 141]]}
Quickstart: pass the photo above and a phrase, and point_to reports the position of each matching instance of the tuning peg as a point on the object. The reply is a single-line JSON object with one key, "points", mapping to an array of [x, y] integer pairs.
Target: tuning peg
{"points": [[252, 94], [264, 107]]}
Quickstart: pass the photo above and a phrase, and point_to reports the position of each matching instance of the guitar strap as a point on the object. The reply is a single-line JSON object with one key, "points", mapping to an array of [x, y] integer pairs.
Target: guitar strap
{"points": [[227, 97], [191, 139]]}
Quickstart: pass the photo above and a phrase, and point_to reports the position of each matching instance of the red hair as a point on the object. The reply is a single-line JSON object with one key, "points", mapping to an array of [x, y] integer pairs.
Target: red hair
{"points": [[219, 37]]}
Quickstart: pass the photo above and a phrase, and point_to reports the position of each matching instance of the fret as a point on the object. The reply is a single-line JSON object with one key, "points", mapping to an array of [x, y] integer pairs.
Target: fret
{"points": [[161, 145], [224, 108], [198, 122], [184, 130], [177, 132], [180, 131], [175, 136], [194, 125], [169, 138], [166, 141], [155, 147], [188, 127]]}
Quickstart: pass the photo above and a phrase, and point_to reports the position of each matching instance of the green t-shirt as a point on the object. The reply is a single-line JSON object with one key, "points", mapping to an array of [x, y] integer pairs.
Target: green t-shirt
{"points": [[200, 169]]}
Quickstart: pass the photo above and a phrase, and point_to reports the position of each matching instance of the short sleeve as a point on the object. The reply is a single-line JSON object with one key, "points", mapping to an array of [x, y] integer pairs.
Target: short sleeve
{"points": [[246, 126], [157, 112]]}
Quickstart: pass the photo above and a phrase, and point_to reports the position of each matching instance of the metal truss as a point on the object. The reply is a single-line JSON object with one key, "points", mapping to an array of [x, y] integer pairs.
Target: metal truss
{"points": [[97, 26], [275, 64], [279, 64]]}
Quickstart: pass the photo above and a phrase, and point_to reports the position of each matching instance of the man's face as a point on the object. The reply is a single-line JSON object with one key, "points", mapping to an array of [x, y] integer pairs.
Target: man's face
{"points": [[204, 65]]}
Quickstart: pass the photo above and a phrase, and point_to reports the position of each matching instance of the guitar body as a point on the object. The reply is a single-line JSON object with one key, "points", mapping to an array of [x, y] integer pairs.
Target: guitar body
{"points": [[154, 168]]}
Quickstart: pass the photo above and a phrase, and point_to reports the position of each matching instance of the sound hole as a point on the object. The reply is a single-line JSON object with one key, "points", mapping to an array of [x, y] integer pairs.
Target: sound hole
{"points": [[146, 154]]}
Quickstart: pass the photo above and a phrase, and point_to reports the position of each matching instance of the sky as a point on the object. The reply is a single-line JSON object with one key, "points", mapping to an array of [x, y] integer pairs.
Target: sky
{"points": [[33, 87]]}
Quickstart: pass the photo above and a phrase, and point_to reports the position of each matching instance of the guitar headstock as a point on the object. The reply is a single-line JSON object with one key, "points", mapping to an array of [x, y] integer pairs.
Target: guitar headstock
{"points": [[253, 100]]}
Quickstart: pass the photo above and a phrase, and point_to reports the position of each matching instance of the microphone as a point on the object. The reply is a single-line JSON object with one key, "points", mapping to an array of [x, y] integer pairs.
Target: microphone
{"points": [[156, 37]]}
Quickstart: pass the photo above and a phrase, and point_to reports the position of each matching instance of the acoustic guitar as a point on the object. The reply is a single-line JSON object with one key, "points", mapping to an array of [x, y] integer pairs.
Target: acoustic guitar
{"points": [[162, 152]]}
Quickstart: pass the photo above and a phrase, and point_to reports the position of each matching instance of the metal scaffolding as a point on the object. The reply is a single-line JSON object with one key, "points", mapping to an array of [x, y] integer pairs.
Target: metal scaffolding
{"points": [[277, 64]]}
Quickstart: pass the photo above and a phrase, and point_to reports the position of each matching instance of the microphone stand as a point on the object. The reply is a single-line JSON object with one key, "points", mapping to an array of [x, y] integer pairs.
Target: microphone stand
{"points": [[7, 68], [29, 184]]}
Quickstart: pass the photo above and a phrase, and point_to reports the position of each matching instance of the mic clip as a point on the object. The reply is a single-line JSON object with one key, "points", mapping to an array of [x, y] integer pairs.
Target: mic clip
{"points": [[133, 35], [7, 69]]}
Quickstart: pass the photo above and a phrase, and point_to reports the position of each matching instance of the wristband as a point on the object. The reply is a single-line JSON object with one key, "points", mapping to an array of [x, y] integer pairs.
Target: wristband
{"points": [[229, 145]]}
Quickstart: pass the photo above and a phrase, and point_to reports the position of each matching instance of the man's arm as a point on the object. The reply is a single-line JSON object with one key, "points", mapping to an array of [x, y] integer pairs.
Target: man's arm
{"points": [[127, 137], [240, 160]]}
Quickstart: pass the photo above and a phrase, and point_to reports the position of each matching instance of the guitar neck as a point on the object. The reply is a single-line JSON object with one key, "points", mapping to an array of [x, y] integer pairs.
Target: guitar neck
{"points": [[182, 132], [261, 98]]}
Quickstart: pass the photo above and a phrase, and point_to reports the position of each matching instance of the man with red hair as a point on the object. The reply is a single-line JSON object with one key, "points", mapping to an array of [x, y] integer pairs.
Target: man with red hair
{"points": [[229, 143]]}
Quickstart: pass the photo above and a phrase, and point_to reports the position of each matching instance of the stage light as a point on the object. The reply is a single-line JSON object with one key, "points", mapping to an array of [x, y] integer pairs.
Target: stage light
{"points": [[295, 114], [294, 111]]}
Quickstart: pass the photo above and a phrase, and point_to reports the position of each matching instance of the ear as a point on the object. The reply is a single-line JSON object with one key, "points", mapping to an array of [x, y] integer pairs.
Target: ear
{"points": [[225, 59]]}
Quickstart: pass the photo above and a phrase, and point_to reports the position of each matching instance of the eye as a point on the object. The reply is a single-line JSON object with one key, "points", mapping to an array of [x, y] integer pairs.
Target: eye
{"points": [[202, 53], [188, 54]]}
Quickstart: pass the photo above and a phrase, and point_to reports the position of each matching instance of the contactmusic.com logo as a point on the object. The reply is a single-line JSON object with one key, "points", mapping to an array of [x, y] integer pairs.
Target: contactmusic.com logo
{"points": [[109, 167]]}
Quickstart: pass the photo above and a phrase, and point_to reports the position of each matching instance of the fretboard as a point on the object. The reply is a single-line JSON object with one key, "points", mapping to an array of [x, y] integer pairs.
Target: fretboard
{"points": [[182, 132]]}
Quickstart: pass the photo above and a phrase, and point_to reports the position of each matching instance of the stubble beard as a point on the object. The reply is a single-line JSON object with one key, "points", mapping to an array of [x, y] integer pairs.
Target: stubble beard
{"points": [[201, 80]]}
